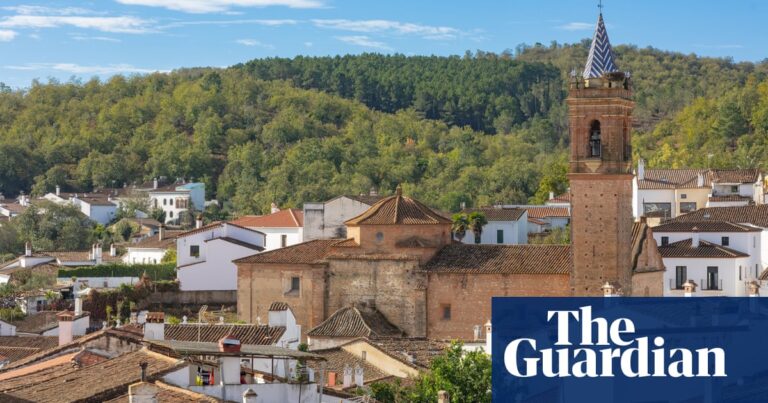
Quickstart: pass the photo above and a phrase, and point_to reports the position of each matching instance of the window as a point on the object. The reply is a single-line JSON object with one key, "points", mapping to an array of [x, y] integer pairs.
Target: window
{"points": [[170, 214], [681, 276], [283, 241], [663, 210], [687, 207], [725, 241], [594, 140], [295, 284], [364, 355], [165, 201], [757, 268], [664, 241], [194, 250], [379, 236], [712, 278], [499, 236], [447, 312], [683, 196], [734, 189], [740, 268]]}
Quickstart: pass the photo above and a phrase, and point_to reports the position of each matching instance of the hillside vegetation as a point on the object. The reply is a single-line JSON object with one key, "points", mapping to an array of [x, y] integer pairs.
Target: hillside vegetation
{"points": [[479, 129]]}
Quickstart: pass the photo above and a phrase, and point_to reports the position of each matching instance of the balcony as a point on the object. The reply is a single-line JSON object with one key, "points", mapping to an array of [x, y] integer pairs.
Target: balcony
{"points": [[717, 285]]}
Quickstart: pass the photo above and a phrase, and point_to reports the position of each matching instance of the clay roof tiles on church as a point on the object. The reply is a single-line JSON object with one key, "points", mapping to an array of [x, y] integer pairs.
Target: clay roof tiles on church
{"points": [[704, 226], [354, 322], [502, 259], [498, 214], [302, 253], [705, 249], [210, 333], [398, 209], [756, 215]]}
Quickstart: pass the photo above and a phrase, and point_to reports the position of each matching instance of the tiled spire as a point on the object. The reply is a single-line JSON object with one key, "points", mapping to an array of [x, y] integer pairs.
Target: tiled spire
{"points": [[601, 58]]}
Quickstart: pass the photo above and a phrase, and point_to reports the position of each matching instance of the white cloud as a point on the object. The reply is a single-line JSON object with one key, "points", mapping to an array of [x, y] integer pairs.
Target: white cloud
{"points": [[125, 24], [577, 26], [386, 26], [364, 41], [268, 23], [40, 10], [308, 44], [7, 35], [80, 69], [95, 38], [220, 6], [254, 42]]}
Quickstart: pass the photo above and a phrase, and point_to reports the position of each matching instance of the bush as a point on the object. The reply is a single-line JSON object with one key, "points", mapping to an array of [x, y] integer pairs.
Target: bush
{"points": [[11, 314], [165, 271]]}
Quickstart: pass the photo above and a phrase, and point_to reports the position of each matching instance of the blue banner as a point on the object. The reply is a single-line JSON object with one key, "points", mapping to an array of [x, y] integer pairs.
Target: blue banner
{"points": [[639, 350]]}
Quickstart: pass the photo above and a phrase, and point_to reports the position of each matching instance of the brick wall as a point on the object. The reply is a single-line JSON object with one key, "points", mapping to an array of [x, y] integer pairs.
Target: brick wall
{"points": [[469, 297]]}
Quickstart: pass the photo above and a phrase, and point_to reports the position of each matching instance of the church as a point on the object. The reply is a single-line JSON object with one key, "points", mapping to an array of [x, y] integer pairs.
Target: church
{"points": [[399, 260]]}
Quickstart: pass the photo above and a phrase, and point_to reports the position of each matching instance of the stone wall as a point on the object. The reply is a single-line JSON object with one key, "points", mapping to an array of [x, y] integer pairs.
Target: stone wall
{"points": [[469, 297]]}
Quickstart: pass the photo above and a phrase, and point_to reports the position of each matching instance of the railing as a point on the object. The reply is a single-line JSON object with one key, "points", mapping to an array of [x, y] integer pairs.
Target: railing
{"points": [[706, 286], [673, 285]]}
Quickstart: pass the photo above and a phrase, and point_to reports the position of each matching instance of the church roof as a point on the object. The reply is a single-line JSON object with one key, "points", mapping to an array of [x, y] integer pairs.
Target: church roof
{"points": [[502, 259], [601, 58], [398, 209], [353, 322]]}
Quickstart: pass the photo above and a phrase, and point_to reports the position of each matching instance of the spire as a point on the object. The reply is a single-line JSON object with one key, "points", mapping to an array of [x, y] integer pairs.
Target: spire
{"points": [[601, 58]]}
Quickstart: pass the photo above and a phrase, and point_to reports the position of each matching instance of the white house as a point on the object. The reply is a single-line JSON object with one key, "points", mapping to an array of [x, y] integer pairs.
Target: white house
{"points": [[721, 257], [204, 255], [506, 226], [282, 228], [667, 193], [98, 206], [151, 249], [543, 218], [177, 198], [325, 220]]}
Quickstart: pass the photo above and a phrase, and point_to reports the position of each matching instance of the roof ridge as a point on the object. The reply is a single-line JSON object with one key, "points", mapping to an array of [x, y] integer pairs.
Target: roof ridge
{"points": [[362, 319]]}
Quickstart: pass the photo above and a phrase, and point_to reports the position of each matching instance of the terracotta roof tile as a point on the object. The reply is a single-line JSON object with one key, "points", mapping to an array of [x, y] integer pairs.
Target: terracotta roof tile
{"points": [[154, 242], [171, 394], [735, 175], [688, 178], [706, 249], [756, 215], [248, 334], [506, 259], [15, 348], [288, 218], [498, 214], [536, 221], [302, 253], [704, 226], [563, 198], [398, 209], [547, 211], [279, 306], [37, 323], [367, 199], [417, 352], [354, 322], [337, 359], [731, 198]]}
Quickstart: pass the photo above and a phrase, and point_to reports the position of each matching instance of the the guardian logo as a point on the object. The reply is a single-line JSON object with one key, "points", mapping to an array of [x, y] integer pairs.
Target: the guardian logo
{"points": [[607, 349]]}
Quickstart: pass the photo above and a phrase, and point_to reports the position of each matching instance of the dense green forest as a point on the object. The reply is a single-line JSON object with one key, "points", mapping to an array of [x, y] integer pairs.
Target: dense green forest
{"points": [[480, 128]]}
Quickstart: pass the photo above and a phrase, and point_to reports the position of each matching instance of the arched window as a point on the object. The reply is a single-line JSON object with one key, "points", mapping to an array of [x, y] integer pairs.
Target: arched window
{"points": [[594, 139]]}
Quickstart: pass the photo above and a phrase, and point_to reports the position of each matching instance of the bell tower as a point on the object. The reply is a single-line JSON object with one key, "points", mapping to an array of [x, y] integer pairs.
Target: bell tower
{"points": [[600, 115]]}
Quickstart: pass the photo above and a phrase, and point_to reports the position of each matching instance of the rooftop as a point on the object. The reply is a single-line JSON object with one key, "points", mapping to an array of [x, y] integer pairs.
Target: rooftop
{"points": [[398, 209], [288, 218], [171, 394], [705, 249], [15, 348], [704, 226], [503, 259], [688, 178], [547, 211], [247, 333], [337, 359], [601, 57], [187, 348], [497, 213], [354, 322], [303, 253], [756, 215], [154, 241]]}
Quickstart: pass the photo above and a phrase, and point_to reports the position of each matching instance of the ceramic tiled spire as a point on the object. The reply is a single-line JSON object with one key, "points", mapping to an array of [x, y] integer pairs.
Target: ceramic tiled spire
{"points": [[601, 59]]}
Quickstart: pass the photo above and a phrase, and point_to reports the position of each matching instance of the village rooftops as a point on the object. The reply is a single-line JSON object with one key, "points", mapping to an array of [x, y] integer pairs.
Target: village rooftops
{"points": [[685, 249], [547, 211], [398, 209], [704, 226], [756, 215], [288, 218], [304, 253], [154, 241], [337, 359], [171, 394], [211, 226], [695, 178], [354, 322], [498, 213], [247, 333], [193, 348], [15, 348], [502, 259]]}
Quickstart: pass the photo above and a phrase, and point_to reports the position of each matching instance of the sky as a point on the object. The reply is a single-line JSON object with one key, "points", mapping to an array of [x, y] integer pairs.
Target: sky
{"points": [[65, 39]]}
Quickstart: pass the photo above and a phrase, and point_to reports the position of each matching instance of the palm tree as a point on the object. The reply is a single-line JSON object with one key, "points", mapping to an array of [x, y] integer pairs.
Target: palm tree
{"points": [[477, 221], [459, 225]]}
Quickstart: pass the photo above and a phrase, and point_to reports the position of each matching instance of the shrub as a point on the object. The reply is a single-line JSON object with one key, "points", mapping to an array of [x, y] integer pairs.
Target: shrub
{"points": [[165, 271]]}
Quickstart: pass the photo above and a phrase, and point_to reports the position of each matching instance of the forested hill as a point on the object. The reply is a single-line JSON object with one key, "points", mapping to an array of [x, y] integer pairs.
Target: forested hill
{"points": [[479, 129]]}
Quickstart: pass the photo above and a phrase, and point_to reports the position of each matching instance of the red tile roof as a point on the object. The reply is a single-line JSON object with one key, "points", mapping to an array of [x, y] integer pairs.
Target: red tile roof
{"points": [[706, 249], [756, 215], [498, 214], [504, 259], [563, 198], [171, 394], [17, 347], [688, 178], [398, 209], [730, 198], [303, 253], [354, 322], [248, 334], [337, 359], [704, 226], [288, 218], [547, 211]]}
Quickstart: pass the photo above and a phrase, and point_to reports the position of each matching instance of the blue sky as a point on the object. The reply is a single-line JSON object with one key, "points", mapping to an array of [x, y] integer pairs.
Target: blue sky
{"points": [[61, 39]]}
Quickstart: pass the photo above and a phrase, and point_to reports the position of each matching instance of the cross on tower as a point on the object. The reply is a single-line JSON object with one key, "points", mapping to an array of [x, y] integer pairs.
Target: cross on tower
{"points": [[600, 5]]}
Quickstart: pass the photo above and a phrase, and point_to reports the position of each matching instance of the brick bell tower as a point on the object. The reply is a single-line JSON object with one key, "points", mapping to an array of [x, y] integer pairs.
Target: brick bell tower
{"points": [[600, 115]]}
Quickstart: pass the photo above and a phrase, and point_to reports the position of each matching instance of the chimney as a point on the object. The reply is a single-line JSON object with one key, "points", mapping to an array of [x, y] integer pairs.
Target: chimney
{"points": [[28, 249], [154, 327], [78, 304], [66, 322], [161, 233], [199, 221], [230, 365], [700, 180], [58, 190], [695, 237], [249, 396], [551, 195], [641, 169], [273, 208], [689, 287], [154, 183], [609, 290], [347, 376], [143, 391], [488, 337], [754, 288], [359, 379], [112, 250]]}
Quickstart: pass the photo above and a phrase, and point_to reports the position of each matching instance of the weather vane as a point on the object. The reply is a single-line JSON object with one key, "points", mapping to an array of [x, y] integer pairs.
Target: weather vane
{"points": [[600, 5]]}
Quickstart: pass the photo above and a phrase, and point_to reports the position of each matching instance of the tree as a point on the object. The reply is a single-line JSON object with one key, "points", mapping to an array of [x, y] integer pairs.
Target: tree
{"points": [[476, 222], [459, 226]]}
